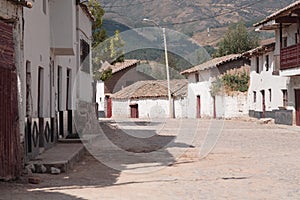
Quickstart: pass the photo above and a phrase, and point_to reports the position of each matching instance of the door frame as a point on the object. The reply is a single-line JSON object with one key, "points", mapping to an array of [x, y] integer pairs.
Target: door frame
{"points": [[198, 106], [134, 111], [297, 106]]}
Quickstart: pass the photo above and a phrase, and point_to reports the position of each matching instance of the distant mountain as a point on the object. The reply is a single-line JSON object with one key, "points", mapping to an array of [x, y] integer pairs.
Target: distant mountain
{"points": [[204, 20]]}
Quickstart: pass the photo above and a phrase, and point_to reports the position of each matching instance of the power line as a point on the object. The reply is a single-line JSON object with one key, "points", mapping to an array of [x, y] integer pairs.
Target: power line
{"points": [[214, 16], [131, 4]]}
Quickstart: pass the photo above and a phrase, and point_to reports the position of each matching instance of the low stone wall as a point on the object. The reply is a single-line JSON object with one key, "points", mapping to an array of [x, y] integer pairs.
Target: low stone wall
{"points": [[281, 116]]}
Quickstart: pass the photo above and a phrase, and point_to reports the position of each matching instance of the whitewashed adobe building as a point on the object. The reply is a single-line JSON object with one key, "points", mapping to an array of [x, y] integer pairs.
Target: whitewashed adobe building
{"points": [[286, 25], [123, 74], [200, 100], [267, 87], [149, 99], [57, 42]]}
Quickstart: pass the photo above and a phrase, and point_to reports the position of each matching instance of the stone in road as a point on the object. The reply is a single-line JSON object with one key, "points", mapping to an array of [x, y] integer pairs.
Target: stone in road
{"points": [[249, 161]]}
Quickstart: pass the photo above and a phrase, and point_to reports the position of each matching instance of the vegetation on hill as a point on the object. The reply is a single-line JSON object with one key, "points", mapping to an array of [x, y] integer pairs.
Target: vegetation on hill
{"points": [[237, 40], [191, 17]]}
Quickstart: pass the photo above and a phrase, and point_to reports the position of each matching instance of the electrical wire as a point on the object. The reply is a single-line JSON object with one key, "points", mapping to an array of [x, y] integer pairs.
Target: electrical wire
{"points": [[131, 4], [214, 16]]}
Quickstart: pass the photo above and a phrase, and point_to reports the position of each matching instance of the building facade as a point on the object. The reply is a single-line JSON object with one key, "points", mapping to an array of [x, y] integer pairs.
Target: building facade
{"points": [[123, 74], [149, 100], [57, 70], [267, 88], [285, 24], [202, 103]]}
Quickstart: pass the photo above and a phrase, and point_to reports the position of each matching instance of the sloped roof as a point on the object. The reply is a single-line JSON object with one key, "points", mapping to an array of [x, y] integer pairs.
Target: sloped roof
{"points": [[153, 89], [87, 11], [119, 65], [212, 63], [266, 46], [282, 12]]}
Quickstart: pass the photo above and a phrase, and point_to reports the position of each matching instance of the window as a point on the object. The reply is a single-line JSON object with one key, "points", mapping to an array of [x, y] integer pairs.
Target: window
{"points": [[296, 38], [254, 97], [285, 98], [270, 95], [267, 63], [284, 42], [257, 64], [197, 77], [84, 56]]}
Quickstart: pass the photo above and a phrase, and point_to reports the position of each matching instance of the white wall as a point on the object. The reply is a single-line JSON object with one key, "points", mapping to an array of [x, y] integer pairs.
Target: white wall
{"points": [[84, 31], [100, 98], [181, 107], [202, 88], [62, 26], [37, 51], [232, 106], [120, 108], [265, 81], [149, 108]]}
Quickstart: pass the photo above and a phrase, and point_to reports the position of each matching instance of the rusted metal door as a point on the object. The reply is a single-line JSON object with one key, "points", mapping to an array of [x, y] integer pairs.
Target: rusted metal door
{"points": [[134, 111], [297, 100], [10, 158], [198, 107]]}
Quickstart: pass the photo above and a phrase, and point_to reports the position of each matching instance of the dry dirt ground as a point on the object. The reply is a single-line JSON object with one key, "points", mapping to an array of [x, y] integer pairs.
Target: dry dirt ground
{"points": [[146, 161]]}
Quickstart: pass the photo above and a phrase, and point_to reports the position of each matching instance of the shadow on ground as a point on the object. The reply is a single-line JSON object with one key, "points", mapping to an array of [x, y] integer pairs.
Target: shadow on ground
{"points": [[96, 172]]}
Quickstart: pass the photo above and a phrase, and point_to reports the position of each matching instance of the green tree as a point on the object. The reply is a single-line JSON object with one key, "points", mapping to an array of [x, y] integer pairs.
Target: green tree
{"points": [[103, 49], [99, 34], [237, 40]]}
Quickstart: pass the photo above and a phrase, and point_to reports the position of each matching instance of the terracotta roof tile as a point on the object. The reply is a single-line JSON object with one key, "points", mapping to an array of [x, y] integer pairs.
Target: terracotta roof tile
{"points": [[283, 11], [153, 89], [267, 46], [212, 63], [118, 66]]}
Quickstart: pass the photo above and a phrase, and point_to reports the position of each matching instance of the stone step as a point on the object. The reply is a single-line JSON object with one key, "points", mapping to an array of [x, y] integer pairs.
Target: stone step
{"points": [[62, 156]]}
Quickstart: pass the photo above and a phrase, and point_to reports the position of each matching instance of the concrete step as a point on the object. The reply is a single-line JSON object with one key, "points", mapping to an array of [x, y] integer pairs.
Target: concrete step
{"points": [[62, 156]]}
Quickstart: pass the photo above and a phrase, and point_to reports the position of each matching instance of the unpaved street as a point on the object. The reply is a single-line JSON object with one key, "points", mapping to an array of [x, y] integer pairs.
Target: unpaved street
{"points": [[145, 161]]}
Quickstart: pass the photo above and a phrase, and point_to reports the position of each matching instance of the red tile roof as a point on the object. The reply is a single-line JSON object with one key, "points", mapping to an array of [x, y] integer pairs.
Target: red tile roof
{"points": [[212, 63], [282, 12], [119, 66], [153, 89]]}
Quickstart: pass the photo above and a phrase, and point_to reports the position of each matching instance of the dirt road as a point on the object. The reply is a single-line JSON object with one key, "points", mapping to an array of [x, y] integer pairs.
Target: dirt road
{"points": [[148, 161]]}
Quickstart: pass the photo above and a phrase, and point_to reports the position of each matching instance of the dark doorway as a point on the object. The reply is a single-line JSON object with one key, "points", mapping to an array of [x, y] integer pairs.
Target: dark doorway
{"points": [[40, 91], [134, 111], [198, 106], [297, 100], [263, 100]]}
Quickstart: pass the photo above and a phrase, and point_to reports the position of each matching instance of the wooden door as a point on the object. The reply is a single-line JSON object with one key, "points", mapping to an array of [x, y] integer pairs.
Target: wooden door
{"points": [[263, 100], [109, 108], [10, 154], [215, 109], [134, 111], [198, 107], [297, 100]]}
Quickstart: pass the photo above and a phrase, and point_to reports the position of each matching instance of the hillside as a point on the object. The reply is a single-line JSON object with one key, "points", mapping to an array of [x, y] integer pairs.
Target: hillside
{"points": [[191, 17]]}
